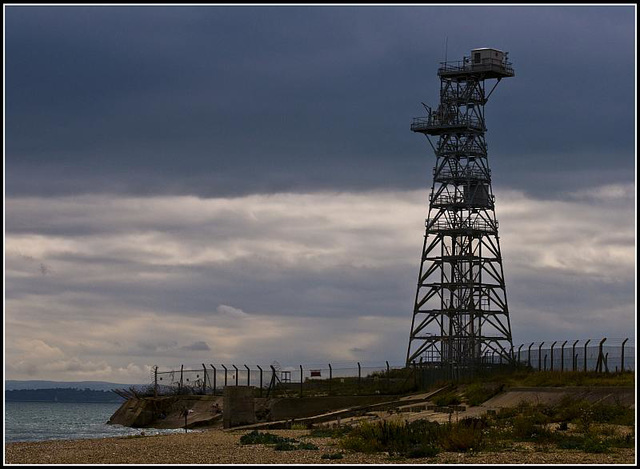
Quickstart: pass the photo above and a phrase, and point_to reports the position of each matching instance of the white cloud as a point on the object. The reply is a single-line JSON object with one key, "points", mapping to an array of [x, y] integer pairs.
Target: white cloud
{"points": [[606, 193], [231, 311]]}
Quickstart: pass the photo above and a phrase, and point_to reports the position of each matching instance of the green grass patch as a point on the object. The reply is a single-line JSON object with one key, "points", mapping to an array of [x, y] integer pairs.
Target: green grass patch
{"points": [[477, 393], [524, 377], [595, 444]]}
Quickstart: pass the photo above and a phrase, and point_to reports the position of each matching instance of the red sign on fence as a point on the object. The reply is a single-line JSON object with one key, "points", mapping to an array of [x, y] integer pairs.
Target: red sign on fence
{"points": [[316, 373]]}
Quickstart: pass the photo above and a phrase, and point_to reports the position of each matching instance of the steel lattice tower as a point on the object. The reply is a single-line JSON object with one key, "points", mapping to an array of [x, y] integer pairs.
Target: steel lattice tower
{"points": [[461, 313]]}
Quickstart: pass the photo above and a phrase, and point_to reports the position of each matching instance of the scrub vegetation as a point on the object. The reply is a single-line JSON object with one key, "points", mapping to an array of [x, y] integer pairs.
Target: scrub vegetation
{"points": [[280, 443], [571, 424]]}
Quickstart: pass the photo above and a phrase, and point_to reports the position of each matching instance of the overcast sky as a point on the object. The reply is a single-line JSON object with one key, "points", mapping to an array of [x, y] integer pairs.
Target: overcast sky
{"points": [[240, 184]]}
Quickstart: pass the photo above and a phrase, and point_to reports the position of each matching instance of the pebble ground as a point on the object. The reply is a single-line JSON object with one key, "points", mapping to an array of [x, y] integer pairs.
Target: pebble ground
{"points": [[219, 447]]}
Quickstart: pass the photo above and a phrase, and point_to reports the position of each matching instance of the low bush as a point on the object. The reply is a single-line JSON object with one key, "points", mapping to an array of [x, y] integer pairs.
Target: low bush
{"points": [[584, 413], [570, 409], [613, 413], [257, 438], [570, 442], [423, 451], [332, 456], [474, 422], [450, 398], [308, 446], [625, 441], [594, 444], [394, 437], [285, 446], [461, 438], [417, 439], [529, 428], [361, 445]]}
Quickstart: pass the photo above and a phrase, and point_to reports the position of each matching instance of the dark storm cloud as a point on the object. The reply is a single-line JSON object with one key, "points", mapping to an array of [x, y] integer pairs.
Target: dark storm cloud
{"points": [[235, 100]]}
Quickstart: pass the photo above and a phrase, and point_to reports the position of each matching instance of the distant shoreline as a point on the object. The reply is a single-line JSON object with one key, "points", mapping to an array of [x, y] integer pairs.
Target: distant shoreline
{"points": [[63, 395], [66, 402]]}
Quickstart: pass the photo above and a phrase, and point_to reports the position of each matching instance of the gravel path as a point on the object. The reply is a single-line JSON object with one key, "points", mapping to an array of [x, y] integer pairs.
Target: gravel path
{"points": [[218, 447]]}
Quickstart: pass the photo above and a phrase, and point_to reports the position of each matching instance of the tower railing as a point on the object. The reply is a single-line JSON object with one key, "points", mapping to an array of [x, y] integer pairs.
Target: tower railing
{"points": [[486, 65], [446, 200], [434, 122], [447, 225], [462, 173]]}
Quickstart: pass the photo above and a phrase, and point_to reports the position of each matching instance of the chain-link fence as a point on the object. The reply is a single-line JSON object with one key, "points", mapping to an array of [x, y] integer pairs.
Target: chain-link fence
{"points": [[275, 380], [600, 355]]}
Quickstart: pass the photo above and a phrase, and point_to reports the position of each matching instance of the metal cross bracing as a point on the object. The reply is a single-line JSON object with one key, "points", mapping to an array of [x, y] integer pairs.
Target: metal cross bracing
{"points": [[460, 314]]}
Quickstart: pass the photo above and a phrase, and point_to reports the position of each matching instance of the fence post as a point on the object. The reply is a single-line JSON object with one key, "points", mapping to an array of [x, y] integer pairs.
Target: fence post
{"points": [[273, 380], [562, 356], [415, 374], [236, 368], [540, 356], [204, 382], [181, 375], [301, 380], [621, 356], [545, 362], [214, 378], [225, 375], [585, 354], [552, 345], [155, 380], [530, 352], [260, 379], [600, 361], [248, 375], [519, 356], [574, 355], [359, 376], [330, 377], [388, 377]]}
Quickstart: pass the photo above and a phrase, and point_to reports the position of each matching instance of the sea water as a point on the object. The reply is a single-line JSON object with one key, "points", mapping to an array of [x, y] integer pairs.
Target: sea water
{"points": [[38, 421]]}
